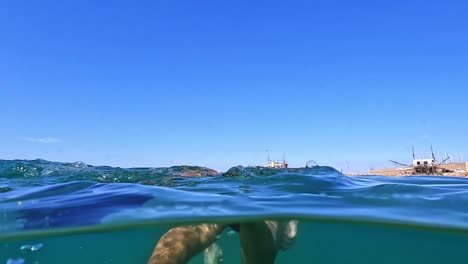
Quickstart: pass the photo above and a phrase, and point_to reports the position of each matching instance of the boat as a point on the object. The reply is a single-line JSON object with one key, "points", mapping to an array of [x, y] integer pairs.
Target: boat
{"points": [[276, 164]]}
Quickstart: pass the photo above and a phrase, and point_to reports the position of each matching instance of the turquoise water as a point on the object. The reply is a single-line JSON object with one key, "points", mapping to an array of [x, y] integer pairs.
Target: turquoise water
{"points": [[76, 213]]}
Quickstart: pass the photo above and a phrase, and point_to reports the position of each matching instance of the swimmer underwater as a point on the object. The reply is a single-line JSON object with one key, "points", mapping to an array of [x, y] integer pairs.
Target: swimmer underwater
{"points": [[259, 241]]}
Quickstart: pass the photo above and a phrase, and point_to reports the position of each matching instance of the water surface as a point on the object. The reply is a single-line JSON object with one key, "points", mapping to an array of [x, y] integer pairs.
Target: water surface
{"points": [[78, 213]]}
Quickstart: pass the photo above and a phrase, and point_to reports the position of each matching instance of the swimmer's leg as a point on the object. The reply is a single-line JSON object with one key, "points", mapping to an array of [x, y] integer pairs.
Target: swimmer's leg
{"points": [[257, 243], [261, 241], [180, 244], [284, 232], [213, 254]]}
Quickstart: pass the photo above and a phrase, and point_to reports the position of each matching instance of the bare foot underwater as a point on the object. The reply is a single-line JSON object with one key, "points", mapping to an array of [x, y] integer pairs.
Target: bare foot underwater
{"points": [[259, 241]]}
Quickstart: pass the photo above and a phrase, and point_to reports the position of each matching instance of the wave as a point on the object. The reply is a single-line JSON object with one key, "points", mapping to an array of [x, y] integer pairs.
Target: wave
{"points": [[38, 194]]}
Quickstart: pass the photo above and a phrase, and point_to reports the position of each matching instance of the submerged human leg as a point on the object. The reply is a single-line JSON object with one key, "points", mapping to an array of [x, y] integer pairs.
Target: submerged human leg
{"points": [[213, 254], [261, 241], [180, 244], [284, 232], [257, 243]]}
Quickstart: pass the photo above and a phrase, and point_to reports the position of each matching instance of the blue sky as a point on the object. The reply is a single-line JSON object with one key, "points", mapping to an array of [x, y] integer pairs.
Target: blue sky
{"points": [[349, 84]]}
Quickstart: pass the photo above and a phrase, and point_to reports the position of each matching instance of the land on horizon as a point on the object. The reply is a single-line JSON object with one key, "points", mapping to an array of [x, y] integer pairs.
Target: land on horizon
{"points": [[459, 169]]}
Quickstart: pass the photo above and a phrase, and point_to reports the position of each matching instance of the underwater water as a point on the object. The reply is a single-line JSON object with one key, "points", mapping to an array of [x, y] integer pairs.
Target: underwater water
{"points": [[54, 212]]}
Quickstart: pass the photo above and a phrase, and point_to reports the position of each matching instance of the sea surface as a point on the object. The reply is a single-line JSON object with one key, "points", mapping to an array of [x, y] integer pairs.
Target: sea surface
{"points": [[54, 212]]}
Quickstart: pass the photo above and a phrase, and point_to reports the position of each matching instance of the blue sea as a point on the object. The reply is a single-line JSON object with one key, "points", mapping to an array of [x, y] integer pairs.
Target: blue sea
{"points": [[53, 212]]}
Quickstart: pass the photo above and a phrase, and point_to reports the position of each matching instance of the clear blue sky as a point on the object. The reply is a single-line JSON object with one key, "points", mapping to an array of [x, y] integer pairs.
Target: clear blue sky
{"points": [[216, 83]]}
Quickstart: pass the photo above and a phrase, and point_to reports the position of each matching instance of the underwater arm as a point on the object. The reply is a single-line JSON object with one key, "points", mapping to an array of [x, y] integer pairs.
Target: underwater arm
{"points": [[180, 244]]}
